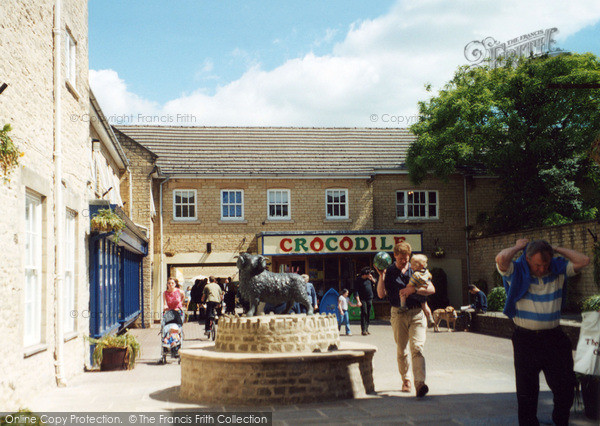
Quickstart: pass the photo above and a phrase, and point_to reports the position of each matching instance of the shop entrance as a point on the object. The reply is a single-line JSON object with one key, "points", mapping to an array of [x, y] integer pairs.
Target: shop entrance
{"points": [[324, 271]]}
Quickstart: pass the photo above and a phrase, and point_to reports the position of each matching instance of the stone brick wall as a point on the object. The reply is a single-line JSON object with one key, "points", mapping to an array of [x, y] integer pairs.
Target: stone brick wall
{"points": [[213, 378], [499, 325], [26, 44], [448, 231], [141, 164], [307, 212], [281, 333], [575, 236]]}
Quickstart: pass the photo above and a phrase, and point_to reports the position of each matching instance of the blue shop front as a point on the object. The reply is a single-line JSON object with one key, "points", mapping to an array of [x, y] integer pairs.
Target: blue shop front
{"points": [[116, 275]]}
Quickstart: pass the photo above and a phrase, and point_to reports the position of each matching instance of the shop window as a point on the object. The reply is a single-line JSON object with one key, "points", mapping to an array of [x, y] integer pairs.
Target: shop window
{"points": [[33, 271], [278, 204], [232, 204], [336, 203], [184, 204], [417, 205]]}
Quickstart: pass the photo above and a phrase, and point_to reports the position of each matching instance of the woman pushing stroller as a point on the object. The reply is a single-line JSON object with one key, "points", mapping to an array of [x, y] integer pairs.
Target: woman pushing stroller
{"points": [[172, 320]]}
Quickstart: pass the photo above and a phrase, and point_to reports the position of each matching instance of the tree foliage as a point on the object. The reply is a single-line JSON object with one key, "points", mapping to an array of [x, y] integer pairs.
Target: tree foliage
{"points": [[510, 122]]}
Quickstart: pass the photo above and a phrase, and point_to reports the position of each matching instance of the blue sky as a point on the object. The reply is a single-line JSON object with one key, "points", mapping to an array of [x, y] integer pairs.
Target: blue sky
{"points": [[163, 51], [309, 63]]}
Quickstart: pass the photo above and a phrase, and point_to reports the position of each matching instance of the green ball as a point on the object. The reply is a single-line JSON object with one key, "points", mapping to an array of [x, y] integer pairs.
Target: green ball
{"points": [[382, 260]]}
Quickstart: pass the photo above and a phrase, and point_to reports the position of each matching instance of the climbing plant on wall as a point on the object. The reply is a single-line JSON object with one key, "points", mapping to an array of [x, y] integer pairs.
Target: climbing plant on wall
{"points": [[9, 153]]}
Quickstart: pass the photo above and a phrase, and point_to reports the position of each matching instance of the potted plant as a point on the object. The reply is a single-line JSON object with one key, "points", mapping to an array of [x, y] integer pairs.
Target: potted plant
{"points": [[590, 384], [9, 153], [106, 220], [115, 352]]}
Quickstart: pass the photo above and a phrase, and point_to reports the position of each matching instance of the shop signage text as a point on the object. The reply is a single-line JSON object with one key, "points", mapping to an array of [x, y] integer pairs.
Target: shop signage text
{"points": [[336, 243]]}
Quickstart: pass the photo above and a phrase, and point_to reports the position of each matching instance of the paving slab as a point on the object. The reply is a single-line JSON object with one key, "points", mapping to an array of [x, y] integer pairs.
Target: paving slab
{"points": [[470, 376]]}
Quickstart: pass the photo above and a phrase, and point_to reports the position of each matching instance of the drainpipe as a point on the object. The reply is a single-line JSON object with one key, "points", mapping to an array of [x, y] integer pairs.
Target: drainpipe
{"points": [[161, 277], [467, 229], [59, 213], [130, 193]]}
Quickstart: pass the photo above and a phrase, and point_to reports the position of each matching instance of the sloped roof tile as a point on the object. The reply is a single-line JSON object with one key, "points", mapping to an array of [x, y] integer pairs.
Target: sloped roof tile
{"points": [[273, 151]]}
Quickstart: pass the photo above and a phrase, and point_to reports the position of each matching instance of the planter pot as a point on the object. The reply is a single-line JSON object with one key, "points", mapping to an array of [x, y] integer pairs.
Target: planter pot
{"points": [[590, 393], [114, 359]]}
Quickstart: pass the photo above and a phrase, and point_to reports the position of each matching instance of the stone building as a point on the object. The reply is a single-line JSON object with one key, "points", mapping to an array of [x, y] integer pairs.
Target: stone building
{"points": [[320, 201], [71, 163], [46, 102]]}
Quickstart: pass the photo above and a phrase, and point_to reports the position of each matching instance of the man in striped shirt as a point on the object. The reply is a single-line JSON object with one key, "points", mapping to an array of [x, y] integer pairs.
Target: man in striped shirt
{"points": [[535, 284]]}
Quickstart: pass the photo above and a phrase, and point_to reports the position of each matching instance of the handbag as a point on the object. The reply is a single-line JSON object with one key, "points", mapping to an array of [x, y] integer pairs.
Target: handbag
{"points": [[587, 356]]}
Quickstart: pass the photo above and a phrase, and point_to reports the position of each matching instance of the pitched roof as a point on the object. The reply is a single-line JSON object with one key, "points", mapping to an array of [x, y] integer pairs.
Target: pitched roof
{"points": [[273, 151]]}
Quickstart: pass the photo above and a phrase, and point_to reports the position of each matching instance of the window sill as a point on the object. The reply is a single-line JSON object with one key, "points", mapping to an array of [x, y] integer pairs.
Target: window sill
{"points": [[35, 349], [184, 222], [279, 221], [329, 220], [70, 336], [73, 90], [233, 222], [416, 221]]}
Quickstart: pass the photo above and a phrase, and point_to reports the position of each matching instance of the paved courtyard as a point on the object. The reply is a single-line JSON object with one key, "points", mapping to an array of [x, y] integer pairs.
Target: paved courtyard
{"points": [[470, 377]]}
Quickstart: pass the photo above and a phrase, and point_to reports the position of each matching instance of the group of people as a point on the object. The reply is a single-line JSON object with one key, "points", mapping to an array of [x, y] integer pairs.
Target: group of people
{"points": [[209, 294], [535, 285]]}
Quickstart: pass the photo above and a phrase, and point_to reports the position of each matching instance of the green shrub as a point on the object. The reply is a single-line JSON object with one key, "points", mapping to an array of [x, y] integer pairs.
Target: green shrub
{"points": [[496, 299], [591, 303]]}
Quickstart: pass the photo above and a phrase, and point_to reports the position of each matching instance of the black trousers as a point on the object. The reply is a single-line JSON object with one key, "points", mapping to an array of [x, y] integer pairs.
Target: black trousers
{"points": [[365, 314], [549, 351], [210, 314]]}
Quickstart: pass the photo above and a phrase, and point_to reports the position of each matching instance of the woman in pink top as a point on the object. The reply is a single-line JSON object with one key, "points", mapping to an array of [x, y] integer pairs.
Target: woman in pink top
{"points": [[172, 296]]}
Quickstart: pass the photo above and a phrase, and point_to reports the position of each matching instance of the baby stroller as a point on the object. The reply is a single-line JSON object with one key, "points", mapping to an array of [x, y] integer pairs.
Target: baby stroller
{"points": [[171, 334]]}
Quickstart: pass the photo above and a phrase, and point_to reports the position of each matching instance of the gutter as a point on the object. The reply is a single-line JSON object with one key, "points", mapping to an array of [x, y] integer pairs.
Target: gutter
{"points": [[59, 208]]}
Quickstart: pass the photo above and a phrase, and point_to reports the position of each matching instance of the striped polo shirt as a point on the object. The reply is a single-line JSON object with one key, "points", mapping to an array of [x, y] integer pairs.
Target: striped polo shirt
{"points": [[539, 308]]}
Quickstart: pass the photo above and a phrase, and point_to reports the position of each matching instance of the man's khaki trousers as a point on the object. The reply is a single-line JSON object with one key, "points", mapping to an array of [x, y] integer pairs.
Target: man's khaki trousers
{"points": [[410, 327]]}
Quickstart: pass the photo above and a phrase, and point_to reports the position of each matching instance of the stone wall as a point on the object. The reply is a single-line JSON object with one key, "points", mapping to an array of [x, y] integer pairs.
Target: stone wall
{"points": [[280, 333], [575, 236], [26, 44], [139, 209], [499, 325], [447, 232], [213, 378]]}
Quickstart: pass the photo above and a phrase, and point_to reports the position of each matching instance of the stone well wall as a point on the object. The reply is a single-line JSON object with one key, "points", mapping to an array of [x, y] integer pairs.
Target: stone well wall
{"points": [[262, 379], [278, 334]]}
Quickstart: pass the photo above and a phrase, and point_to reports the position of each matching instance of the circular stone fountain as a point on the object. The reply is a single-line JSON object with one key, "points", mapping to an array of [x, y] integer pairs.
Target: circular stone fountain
{"points": [[276, 359]]}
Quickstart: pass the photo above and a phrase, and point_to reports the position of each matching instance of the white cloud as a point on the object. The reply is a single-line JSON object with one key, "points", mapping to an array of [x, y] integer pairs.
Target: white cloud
{"points": [[379, 68], [114, 97]]}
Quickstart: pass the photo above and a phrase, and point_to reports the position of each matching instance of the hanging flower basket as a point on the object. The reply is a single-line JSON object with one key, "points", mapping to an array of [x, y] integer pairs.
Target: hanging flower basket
{"points": [[106, 220], [438, 252], [9, 153]]}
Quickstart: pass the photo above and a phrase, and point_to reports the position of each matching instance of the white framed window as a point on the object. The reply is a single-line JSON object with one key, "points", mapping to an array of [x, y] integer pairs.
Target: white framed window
{"points": [[69, 278], [278, 204], [232, 204], [412, 204], [336, 203], [184, 204], [71, 58], [32, 321]]}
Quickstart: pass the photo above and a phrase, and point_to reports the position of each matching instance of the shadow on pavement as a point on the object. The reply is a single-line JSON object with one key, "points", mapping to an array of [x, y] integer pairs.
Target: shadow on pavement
{"points": [[393, 407]]}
